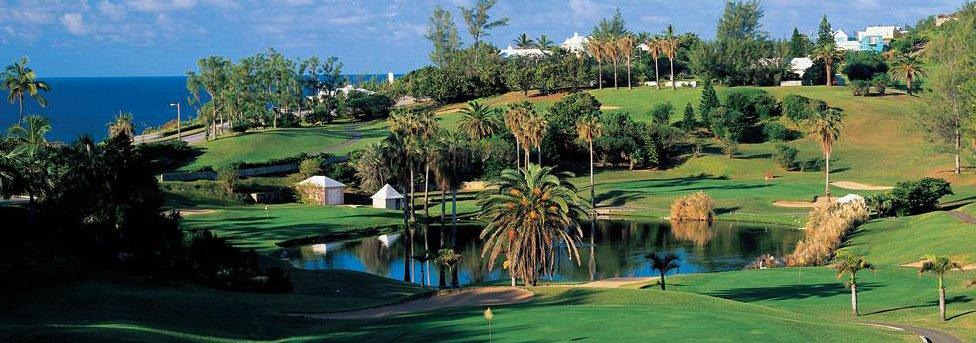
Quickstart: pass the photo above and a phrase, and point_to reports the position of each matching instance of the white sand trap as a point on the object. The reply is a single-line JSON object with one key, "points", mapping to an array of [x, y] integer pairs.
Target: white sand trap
{"points": [[606, 108], [616, 282], [481, 296], [918, 264], [195, 211], [794, 204], [859, 186]]}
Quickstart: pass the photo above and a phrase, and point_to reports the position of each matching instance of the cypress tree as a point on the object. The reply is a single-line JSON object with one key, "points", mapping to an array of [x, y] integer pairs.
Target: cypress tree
{"points": [[688, 122], [799, 45], [825, 34], [709, 101]]}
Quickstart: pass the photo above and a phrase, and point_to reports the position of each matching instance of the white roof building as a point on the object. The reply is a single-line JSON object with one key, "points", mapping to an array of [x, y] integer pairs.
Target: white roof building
{"points": [[348, 89], [510, 51], [323, 181], [326, 191], [799, 65], [388, 198], [887, 33], [850, 198], [576, 43]]}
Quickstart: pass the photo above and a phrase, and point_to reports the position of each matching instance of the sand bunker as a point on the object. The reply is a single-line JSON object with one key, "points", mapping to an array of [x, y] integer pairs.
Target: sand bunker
{"points": [[481, 296], [918, 264], [859, 186]]}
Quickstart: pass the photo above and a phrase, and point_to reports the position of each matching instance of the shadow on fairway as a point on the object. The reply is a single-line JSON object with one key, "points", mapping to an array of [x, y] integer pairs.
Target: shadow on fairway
{"points": [[789, 292]]}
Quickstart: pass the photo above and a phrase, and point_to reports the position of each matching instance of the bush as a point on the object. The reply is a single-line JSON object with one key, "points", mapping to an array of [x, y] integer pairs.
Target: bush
{"points": [[661, 113], [825, 229], [322, 111], [239, 127], [309, 167], [881, 82], [860, 87], [800, 108], [227, 178], [697, 206], [913, 197], [785, 156], [776, 131], [368, 106], [863, 65], [766, 107]]}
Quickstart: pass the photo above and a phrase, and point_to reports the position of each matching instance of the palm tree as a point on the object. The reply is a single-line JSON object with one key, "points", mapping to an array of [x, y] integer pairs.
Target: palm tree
{"points": [[851, 264], [452, 165], [423, 259], [670, 46], [371, 168], [663, 263], [523, 41], [825, 129], [532, 211], [450, 259], [478, 121], [535, 130], [906, 67], [596, 50], [543, 42], [612, 52], [625, 45], [397, 157], [827, 53], [940, 266], [588, 129], [654, 47], [515, 118], [30, 139], [21, 81], [122, 126]]}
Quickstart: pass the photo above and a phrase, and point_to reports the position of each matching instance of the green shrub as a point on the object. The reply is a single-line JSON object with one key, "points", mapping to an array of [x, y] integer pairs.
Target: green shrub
{"points": [[860, 87], [309, 167], [881, 82], [776, 131], [227, 178], [766, 107], [785, 156], [918, 196], [688, 122], [800, 108]]}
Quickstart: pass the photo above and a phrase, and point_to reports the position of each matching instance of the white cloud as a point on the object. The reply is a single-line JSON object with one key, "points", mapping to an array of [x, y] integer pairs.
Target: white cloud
{"points": [[161, 5], [74, 23], [111, 11]]}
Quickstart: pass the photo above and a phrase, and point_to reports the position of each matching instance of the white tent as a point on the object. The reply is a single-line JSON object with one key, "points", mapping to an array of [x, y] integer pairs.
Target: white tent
{"points": [[387, 198], [331, 190]]}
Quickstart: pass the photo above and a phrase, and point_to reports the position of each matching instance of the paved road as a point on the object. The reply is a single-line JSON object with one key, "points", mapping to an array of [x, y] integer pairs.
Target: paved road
{"points": [[929, 335]]}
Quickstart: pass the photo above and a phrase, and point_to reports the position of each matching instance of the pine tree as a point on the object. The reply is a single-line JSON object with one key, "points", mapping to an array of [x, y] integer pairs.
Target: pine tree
{"points": [[689, 122], [825, 34], [709, 101], [799, 45]]}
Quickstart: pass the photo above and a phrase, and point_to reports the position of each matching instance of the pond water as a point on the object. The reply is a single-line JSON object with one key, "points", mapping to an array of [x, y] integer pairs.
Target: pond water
{"points": [[617, 250]]}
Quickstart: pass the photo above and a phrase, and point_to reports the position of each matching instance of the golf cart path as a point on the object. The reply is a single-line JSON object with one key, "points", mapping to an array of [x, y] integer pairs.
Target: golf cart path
{"points": [[965, 218], [481, 296], [926, 335], [353, 134]]}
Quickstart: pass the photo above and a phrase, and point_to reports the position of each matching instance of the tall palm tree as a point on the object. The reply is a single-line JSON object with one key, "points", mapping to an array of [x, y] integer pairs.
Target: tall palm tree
{"points": [[824, 126], [515, 118], [596, 50], [588, 129], [21, 81], [523, 41], [654, 47], [397, 157], [669, 45], [851, 264], [906, 67], [478, 121], [828, 54], [535, 130], [543, 42], [940, 266], [30, 140], [663, 263], [122, 126], [452, 166], [612, 52], [532, 211], [371, 168], [625, 45]]}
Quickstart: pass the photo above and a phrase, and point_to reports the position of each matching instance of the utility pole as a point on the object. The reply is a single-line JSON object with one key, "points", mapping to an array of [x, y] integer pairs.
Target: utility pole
{"points": [[179, 123]]}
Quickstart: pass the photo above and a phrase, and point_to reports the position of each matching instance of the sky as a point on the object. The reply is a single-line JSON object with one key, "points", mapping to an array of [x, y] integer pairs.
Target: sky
{"points": [[166, 37]]}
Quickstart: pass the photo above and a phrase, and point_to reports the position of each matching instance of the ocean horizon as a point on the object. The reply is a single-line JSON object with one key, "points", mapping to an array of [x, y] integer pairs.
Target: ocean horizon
{"points": [[86, 105]]}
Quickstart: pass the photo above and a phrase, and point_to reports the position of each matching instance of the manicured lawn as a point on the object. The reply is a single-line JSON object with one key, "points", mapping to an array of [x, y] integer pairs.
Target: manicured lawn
{"points": [[255, 227], [905, 240]]}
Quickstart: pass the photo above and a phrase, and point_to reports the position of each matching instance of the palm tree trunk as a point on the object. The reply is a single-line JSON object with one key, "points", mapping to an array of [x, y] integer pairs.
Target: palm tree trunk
{"points": [[854, 298], [427, 221], [615, 86], [406, 245], [454, 244], [599, 74], [538, 156], [908, 79], [592, 264], [958, 144], [662, 280], [413, 200], [830, 74], [942, 303], [657, 75], [20, 113], [827, 175], [673, 85], [442, 278], [518, 155], [628, 74]]}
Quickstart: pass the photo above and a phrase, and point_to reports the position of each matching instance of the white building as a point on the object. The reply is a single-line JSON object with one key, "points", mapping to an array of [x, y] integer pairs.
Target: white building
{"points": [[799, 65], [576, 43], [349, 89], [387, 198], [322, 190], [844, 42], [887, 33], [510, 52]]}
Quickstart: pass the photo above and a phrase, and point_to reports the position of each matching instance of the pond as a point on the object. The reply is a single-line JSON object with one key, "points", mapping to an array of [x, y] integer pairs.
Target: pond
{"points": [[616, 248]]}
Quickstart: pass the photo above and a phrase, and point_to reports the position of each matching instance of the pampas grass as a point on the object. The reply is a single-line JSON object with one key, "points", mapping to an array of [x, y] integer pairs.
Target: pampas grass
{"points": [[697, 206], [827, 226]]}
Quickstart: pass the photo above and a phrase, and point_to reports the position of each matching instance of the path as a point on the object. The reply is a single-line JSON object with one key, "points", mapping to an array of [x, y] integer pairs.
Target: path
{"points": [[926, 335], [963, 217], [615, 282], [354, 136], [481, 296]]}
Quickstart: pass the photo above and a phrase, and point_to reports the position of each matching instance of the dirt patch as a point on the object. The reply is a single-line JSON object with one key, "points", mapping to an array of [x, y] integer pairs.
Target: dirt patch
{"points": [[918, 264], [616, 282], [859, 186], [477, 186], [195, 211], [482, 296]]}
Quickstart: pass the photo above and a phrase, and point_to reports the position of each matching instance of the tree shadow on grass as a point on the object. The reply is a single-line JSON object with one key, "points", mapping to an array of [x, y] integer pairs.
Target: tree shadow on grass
{"points": [[788, 292], [961, 299]]}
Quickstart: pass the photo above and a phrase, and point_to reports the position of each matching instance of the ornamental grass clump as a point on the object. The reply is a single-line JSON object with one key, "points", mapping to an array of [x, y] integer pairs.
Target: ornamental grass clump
{"points": [[697, 206], [827, 226]]}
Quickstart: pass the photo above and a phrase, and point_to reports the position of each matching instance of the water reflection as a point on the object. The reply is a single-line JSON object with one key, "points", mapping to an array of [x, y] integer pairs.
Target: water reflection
{"points": [[614, 248]]}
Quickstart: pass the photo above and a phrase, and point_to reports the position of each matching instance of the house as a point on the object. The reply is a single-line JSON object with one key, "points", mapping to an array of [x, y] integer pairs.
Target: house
{"points": [[533, 52], [576, 43], [799, 65], [348, 89], [872, 38], [321, 190], [387, 198]]}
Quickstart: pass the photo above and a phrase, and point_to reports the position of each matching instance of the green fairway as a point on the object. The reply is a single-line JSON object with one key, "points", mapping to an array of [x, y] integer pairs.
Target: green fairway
{"points": [[255, 227], [898, 241]]}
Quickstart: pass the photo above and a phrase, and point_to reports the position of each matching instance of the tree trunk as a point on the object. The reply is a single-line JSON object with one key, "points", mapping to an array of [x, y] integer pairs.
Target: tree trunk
{"points": [[615, 86], [854, 298], [518, 155], [958, 144], [427, 222], [413, 200], [629, 86], [942, 303], [908, 79], [454, 271], [406, 245], [673, 85], [830, 74], [442, 276], [599, 73], [827, 175], [662, 281], [538, 156], [657, 75], [20, 112]]}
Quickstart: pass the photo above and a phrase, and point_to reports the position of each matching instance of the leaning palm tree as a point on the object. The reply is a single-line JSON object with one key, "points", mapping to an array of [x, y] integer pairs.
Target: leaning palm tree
{"points": [[596, 50], [478, 121], [663, 263], [523, 41], [827, 54], [532, 212], [669, 45], [825, 129], [450, 259], [654, 47], [122, 126], [851, 264], [906, 67], [625, 45], [940, 266], [20, 82]]}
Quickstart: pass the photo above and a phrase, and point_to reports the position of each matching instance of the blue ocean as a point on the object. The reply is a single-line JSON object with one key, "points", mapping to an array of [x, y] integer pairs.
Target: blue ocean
{"points": [[79, 105]]}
